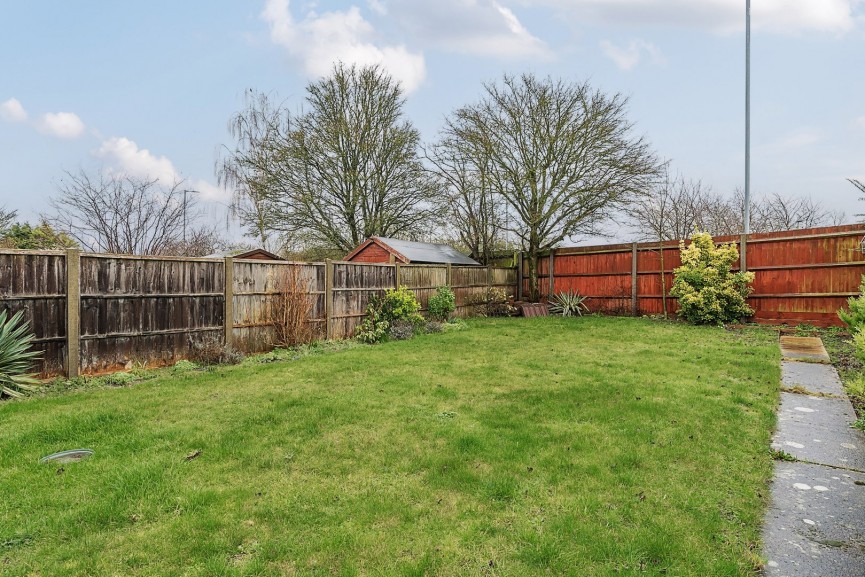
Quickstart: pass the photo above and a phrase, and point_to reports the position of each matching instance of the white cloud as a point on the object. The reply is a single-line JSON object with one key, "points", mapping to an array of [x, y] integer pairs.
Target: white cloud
{"points": [[783, 16], [377, 6], [124, 156], [860, 122], [630, 56], [797, 139], [61, 124], [12, 111], [320, 40], [478, 27]]}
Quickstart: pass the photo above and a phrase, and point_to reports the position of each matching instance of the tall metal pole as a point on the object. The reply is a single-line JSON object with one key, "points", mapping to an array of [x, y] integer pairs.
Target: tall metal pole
{"points": [[747, 214]]}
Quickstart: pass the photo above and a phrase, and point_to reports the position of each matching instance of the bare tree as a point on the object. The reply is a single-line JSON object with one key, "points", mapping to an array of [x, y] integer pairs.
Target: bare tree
{"points": [[671, 210], [248, 168], [776, 213], [7, 217], [345, 170], [860, 186], [126, 215], [561, 156], [475, 212]]}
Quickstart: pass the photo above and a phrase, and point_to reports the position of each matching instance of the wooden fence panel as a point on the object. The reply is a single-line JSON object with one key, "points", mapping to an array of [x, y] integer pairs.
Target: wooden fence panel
{"points": [[35, 283], [465, 282], [146, 310], [353, 285], [423, 280], [801, 276], [256, 285]]}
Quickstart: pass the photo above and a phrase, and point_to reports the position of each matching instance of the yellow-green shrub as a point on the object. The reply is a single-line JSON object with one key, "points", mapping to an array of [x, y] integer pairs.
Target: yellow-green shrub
{"points": [[708, 291]]}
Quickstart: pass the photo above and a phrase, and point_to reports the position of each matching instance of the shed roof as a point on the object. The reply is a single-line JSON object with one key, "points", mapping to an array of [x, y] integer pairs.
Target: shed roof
{"points": [[419, 252], [255, 253]]}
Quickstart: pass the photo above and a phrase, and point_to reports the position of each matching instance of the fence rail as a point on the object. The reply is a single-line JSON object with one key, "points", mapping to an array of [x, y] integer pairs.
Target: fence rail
{"points": [[801, 276], [98, 312]]}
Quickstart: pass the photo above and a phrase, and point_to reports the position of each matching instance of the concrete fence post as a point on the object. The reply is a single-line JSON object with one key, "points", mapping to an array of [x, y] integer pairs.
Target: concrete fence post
{"points": [[228, 320], [328, 299], [73, 312], [634, 279]]}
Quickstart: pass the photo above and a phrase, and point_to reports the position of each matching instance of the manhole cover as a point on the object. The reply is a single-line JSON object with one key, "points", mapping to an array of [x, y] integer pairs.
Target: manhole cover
{"points": [[67, 456]]}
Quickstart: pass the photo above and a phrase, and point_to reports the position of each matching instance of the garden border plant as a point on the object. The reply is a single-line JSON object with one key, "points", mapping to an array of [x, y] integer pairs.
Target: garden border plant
{"points": [[707, 289]]}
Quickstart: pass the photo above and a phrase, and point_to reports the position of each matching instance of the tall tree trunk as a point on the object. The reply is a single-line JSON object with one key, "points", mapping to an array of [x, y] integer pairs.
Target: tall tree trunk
{"points": [[534, 289]]}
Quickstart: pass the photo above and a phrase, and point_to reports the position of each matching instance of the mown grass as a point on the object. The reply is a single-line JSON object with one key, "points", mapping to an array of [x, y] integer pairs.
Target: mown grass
{"points": [[593, 446]]}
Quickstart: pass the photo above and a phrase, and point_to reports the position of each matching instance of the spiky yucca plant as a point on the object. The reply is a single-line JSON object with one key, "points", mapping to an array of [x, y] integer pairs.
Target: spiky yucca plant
{"points": [[16, 356], [568, 304]]}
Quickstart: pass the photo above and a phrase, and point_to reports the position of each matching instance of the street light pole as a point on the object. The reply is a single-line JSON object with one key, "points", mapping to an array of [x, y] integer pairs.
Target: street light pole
{"points": [[747, 214]]}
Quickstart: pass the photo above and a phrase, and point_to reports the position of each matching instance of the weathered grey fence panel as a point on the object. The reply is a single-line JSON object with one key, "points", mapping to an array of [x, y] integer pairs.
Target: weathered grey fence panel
{"points": [[257, 284], [353, 286], [35, 283], [150, 310], [423, 280], [146, 310]]}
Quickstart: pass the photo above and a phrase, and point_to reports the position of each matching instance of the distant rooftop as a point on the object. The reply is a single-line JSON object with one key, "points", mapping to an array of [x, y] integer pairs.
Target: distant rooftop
{"points": [[418, 252]]}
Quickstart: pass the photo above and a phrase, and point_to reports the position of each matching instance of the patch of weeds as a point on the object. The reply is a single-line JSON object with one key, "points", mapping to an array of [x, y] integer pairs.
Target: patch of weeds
{"points": [[454, 326], [401, 330], [118, 379], [859, 424], [800, 390], [279, 355], [212, 351], [806, 330], [779, 455], [446, 415], [185, 366]]}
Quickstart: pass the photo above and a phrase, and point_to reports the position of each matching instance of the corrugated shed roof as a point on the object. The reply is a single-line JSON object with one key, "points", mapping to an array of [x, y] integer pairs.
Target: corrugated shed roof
{"points": [[427, 252]]}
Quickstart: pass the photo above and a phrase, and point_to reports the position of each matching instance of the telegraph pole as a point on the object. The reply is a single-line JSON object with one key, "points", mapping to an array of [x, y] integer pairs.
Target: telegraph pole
{"points": [[747, 214]]}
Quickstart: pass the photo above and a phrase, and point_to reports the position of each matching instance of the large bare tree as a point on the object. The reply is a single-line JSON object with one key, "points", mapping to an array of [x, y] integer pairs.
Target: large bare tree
{"points": [[248, 168], [345, 169], [123, 214], [562, 156], [475, 213], [670, 210]]}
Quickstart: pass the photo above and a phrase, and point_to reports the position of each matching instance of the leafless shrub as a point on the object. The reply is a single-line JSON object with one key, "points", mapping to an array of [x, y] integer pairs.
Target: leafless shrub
{"points": [[291, 309], [212, 351]]}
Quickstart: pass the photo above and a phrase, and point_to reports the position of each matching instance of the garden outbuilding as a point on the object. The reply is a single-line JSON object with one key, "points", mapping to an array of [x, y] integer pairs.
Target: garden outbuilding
{"points": [[390, 250]]}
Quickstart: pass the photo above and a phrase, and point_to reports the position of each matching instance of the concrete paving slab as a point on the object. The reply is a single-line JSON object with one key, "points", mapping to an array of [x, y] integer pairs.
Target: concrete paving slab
{"points": [[815, 526], [808, 349], [817, 429], [816, 378]]}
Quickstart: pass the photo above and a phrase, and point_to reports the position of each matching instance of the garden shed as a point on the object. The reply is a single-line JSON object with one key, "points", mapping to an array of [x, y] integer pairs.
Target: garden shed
{"points": [[390, 250]]}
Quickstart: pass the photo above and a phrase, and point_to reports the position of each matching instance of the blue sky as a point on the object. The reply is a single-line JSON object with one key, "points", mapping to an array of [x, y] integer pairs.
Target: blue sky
{"points": [[148, 87]]}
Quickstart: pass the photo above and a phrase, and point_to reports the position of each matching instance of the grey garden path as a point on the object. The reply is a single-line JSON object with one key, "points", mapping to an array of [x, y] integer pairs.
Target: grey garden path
{"points": [[815, 525]]}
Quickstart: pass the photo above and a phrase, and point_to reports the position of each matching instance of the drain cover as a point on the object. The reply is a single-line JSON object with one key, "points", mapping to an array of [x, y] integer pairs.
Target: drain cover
{"points": [[67, 456]]}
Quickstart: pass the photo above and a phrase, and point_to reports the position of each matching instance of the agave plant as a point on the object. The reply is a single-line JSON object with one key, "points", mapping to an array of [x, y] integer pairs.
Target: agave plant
{"points": [[568, 304], [15, 356]]}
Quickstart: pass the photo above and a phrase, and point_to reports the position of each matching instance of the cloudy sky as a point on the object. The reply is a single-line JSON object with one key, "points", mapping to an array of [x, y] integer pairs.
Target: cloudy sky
{"points": [[148, 87]]}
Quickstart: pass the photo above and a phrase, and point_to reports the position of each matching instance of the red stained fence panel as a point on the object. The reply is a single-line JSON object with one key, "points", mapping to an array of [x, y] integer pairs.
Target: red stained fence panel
{"points": [[801, 276]]}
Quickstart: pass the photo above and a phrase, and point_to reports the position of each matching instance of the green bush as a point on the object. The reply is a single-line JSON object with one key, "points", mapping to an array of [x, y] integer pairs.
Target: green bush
{"points": [[442, 304], [859, 344], [708, 292], [855, 316], [381, 314], [15, 356]]}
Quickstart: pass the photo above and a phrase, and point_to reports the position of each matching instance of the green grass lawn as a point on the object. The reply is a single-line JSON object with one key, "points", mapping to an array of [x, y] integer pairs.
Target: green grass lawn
{"points": [[592, 446]]}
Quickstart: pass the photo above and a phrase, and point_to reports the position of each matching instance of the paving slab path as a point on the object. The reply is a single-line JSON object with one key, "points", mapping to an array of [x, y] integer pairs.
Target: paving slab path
{"points": [[815, 525]]}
